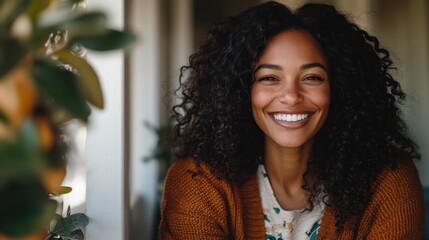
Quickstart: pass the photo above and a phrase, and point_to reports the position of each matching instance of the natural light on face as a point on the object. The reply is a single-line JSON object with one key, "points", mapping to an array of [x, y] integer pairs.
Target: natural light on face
{"points": [[290, 96]]}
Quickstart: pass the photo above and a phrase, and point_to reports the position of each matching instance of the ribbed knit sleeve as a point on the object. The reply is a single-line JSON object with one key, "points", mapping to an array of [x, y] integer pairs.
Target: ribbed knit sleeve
{"points": [[399, 205], [198, 205], [190, 208], [395, 211]]}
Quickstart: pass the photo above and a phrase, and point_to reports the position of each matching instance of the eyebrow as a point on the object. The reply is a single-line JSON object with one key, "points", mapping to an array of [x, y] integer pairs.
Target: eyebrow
{"points": [[278, 67], [269, 66], [312, 65]]}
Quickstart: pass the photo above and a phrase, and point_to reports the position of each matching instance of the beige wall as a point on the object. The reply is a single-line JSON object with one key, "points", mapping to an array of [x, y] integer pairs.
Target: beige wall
{"points": [[403, 28]]}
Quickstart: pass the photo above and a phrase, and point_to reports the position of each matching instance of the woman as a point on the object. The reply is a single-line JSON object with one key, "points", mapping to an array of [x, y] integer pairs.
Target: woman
{"points": [[289, 129]]}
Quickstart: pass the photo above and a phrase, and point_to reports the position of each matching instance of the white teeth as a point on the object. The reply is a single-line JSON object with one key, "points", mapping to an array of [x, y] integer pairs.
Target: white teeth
{"points": [[290, 117]]}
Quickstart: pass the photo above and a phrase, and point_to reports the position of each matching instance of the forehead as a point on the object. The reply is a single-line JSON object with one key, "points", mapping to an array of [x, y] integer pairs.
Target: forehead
{"points": [[293, 46]]}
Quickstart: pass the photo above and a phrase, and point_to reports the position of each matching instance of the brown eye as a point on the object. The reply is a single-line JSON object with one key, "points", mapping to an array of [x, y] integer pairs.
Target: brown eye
{"points": [[313, 78], [269, 79]]}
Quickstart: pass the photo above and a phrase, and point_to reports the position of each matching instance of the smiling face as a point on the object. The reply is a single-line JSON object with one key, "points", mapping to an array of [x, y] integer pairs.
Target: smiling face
{"points": [[290, 95]]}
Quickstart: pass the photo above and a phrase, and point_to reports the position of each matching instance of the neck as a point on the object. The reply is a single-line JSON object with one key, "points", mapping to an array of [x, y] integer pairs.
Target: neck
{"points": [[285, 168], [287, 165]]}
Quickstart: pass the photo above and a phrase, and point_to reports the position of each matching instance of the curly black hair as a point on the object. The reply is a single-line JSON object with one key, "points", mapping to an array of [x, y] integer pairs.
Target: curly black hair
{"points": [[363, 132]]}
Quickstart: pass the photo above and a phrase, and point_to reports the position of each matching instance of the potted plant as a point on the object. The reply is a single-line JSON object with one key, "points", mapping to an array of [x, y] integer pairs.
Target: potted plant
{"points": [[44, 82]]}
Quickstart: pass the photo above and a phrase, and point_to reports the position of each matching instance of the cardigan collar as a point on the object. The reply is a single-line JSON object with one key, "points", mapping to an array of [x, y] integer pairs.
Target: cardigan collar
{"points": [[253, 220]]}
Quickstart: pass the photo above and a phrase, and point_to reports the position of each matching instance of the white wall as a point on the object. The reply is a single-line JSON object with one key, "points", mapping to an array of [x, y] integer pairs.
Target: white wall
{"points": [[144, 17], [164, 28], [106, 189], [76, 133]]}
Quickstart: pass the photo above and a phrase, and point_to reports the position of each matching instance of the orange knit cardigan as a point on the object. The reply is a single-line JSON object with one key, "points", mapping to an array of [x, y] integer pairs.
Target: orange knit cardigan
{"points": [[201, 206]]}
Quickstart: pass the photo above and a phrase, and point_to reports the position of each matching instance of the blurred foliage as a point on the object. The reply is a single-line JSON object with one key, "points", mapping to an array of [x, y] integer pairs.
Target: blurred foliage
{"points": [[45, 81], [162, 151], [68, 227]]}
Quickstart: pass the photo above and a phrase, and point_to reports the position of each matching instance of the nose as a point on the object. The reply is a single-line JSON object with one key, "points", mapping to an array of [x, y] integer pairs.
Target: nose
{"points": [[290, 94]]}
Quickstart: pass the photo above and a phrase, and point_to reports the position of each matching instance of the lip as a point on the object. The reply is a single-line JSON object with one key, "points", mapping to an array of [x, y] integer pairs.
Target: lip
{"points": [[291, 124]]}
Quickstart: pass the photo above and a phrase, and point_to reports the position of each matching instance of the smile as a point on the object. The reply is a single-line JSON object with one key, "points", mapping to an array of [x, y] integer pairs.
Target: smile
{"points": [[290, 117]]}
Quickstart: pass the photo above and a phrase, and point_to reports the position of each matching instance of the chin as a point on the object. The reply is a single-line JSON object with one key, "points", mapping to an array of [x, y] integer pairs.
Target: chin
{"points": [[288, 144]]}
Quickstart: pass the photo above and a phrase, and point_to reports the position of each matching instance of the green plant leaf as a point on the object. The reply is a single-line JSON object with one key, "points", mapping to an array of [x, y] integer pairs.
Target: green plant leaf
{"points": [[39, 39], [69, 3], [77, 23], [60, 86], [10, 10], [26, 208], [62, 190], [110, 40], [11, 53], [36, 7], [23, 156], [69, 224], [76, 235], [15, 161], [29, 135], [4, 118], [86, 24], [60, 116], [88, 81]]}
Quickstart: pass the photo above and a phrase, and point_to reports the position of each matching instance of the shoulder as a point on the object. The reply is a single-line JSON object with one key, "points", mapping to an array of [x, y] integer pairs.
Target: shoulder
{"points": [[195, 202], [191, 185], [396, 210], [399, 186], [189, 171], [182, 167], [401, 179]]}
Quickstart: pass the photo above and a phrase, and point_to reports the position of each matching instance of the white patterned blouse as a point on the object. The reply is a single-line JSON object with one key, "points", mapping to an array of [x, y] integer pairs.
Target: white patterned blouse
{"points": [[284, 225]]}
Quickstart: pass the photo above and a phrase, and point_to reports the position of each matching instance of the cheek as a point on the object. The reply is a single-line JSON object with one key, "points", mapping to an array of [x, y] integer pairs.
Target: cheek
{"points": [[322, 97], [259, 101], [323, 100], [259, 97], [327, 97]]}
